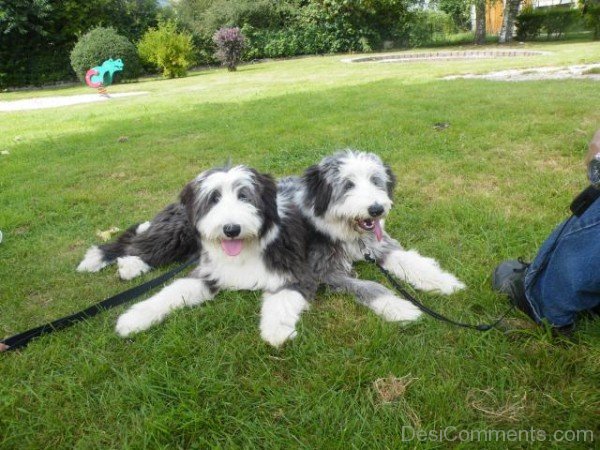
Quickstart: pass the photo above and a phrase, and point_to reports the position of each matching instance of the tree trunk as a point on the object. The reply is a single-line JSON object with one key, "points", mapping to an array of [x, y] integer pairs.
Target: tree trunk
{"points": [[480, 22], [511, 9]]}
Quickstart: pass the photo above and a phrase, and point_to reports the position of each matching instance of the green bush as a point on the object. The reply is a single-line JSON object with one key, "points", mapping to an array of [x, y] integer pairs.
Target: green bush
{"points": [[591, 16], [281, 28], [459, 11], [100, 44], [262, 14], [168, 49], [559, 20], [553, 21], [529, 23], [426, 27]]}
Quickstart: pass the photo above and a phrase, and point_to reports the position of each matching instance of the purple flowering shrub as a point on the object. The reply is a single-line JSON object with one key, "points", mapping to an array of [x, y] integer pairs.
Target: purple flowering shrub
{"points": [[230, 46]]}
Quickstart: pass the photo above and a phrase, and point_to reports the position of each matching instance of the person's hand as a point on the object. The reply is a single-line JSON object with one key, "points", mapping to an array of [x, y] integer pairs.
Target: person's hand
{"points": [[594, 148]]}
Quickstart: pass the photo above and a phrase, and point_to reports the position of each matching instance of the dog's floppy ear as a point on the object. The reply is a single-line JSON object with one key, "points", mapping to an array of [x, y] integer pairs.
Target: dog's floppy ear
{"points": [[391, 180], [187, 197], [267, 188], [318, 190]]}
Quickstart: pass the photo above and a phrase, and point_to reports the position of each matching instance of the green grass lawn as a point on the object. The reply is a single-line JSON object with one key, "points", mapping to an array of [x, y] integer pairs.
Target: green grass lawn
{"points": [[489, 187]]}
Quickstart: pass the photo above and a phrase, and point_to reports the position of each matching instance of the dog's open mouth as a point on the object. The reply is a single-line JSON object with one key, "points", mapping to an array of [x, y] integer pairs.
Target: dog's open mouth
{"points": [[232, 247], [373, 225]]}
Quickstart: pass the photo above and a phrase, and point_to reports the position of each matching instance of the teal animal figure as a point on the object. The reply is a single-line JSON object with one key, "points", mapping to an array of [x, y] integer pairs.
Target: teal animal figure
{"points": [[103, 75]]}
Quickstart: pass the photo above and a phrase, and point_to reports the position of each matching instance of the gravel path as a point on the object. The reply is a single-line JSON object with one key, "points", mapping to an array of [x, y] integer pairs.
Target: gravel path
{"points": [[55, 102], [579, 72]]}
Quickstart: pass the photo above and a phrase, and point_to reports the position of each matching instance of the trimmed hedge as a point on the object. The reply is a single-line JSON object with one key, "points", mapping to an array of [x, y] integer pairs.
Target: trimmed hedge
{"points": [[553, 21], [100, 44], [591, 16]]}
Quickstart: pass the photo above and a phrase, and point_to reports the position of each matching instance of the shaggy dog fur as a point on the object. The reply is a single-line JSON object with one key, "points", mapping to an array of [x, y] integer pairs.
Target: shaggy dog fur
{"points": [[346, 198], [307, 231], [247, 238], [168, 238]]}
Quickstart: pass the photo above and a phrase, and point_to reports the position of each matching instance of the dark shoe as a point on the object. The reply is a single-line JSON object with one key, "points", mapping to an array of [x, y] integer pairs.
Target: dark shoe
{"points": [[565, 331], [509, 279]]}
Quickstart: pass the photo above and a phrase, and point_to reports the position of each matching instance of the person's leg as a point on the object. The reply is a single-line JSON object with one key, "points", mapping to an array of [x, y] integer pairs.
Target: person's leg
{"points": [[564, 278]]}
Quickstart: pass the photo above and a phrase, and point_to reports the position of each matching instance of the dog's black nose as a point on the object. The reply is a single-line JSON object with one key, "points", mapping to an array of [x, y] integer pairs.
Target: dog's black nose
{"points": [[376, 210], [232, 230]]}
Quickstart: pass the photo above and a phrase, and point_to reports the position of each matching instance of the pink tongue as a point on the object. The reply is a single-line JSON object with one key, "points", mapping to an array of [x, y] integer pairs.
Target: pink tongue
{"points": [[232, 247], [377, 230]]}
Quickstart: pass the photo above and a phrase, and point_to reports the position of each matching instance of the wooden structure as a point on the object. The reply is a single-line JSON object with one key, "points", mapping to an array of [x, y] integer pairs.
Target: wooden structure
{"points": [[493, 16]]}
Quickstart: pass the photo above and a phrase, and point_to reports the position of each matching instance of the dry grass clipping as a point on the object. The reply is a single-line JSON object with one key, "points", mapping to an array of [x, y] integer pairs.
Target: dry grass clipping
{"points": [[485, 401], [392, 388]]}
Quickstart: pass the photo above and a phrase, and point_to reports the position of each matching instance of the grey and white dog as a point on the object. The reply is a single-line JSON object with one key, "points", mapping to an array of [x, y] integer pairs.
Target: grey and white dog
{"points": [[346, 198], [248, 238]]}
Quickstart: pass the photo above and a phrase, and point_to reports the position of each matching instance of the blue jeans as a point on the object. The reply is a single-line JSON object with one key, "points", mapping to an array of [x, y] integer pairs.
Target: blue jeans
{"points": [[564, 278]]}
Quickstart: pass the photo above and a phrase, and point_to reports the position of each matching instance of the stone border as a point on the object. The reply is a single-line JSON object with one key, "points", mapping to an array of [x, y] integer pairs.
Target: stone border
{"points": [[445, 56]]}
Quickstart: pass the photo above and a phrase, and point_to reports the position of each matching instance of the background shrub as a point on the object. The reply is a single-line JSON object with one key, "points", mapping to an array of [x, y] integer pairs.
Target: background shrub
{"points": [[553, 21], [230, 44], [100, 44], [168, 49], [529, 23], [591, 16], [459, 11], [426, 27], [559, 20]]}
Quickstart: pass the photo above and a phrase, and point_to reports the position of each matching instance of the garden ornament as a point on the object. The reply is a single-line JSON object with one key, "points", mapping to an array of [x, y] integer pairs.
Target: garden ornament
{"points": [[101, 77]]}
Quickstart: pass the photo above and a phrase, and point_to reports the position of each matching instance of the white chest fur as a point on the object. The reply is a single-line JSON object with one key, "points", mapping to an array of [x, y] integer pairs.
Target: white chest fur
{"points": [[246, 271]]}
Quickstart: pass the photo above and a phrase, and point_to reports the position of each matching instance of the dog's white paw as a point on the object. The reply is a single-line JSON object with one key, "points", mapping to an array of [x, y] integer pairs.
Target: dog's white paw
{"points": [[279, 314], [131, 267], [93, 261], [394, 309], [134, 321], [142, 227], [443, 282], [277, 333]]}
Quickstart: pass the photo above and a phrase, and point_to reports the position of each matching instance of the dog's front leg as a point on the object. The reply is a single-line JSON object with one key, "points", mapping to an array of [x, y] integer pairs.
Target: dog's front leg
{"points": [[422, 272], [182, 292], [279, 314], [376, 297]]}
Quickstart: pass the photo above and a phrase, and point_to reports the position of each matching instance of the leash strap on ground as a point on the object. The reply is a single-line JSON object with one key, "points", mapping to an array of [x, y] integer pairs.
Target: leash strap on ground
{"points": [[22, 339], [427, 310]]}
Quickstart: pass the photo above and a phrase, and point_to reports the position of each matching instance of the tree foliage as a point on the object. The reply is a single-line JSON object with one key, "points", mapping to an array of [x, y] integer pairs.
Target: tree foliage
{"points": [[36, 36], [459, 10], [591, 15]]}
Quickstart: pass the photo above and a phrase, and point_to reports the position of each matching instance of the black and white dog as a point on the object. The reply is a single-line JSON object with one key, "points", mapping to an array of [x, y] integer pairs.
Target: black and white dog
{"points": [[346, 198], [248, 239], [283, 240]]}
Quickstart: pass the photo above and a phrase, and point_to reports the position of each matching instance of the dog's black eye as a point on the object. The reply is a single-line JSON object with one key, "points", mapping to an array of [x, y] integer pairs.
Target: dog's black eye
{"points": [[377, 181], [214, 198], [243, 195], [348, 185]]}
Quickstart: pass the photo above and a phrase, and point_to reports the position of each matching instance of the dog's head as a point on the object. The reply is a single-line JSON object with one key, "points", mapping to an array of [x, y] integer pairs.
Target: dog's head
{"points": [[349, 193], [231, 207]]}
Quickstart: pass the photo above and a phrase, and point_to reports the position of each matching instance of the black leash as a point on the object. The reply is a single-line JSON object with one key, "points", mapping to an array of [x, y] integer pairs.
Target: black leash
{"points": [[22, 339], [427, 310]]}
